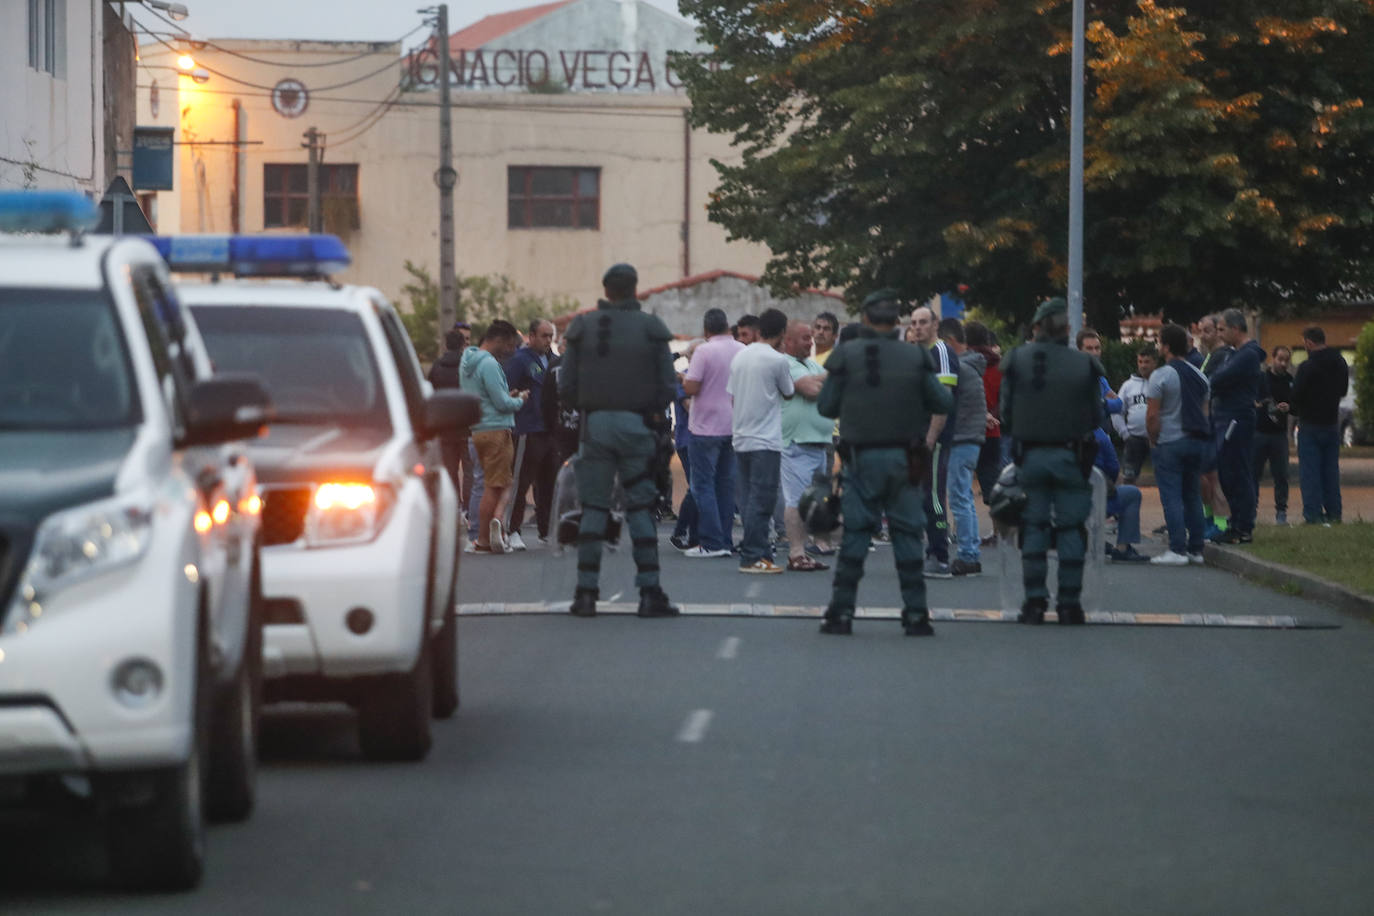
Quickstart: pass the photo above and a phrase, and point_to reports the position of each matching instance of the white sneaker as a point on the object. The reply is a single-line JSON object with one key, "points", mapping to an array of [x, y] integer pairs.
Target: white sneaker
{"points": [[498, 538], [1197, 559], [1169, 558], [701, 553], [515, 541]]}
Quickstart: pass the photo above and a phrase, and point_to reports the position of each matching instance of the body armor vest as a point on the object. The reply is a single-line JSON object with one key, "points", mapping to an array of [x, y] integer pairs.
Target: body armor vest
{"points": [[1054, 392], [890, 390], [620, 354]]}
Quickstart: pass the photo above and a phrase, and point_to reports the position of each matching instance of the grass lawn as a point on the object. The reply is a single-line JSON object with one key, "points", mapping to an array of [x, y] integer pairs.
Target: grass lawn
{"points": [[1341, 553]]}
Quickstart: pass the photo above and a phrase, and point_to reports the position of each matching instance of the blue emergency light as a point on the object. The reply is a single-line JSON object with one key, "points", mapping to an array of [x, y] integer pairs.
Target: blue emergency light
{"points": [[47, 211], [254, 255]]}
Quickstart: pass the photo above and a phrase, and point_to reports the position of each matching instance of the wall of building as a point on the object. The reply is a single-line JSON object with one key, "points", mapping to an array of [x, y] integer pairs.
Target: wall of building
{"points": [[51, 126], [683, 306], [640, 142]]}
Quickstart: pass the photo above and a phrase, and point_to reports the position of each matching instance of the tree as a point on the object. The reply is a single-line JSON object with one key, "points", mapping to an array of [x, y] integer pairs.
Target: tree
{"points": [[480, 301], [922, 143]]}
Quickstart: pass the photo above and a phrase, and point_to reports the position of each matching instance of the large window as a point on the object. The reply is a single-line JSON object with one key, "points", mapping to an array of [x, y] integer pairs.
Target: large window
{"points": [[554, 197], [286, 196], [48, 36]]}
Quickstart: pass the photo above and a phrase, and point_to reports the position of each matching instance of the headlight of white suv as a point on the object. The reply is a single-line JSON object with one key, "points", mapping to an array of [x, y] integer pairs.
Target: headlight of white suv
{"points": [[347, 513], [77, 544]]}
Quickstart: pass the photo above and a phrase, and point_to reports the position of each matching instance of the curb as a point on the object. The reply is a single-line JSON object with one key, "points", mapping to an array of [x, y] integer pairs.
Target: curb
{"points": [[1287, 579]]}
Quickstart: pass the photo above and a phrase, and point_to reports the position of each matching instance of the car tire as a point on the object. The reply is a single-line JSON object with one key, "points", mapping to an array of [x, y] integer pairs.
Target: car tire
{"points": [[233, 764], [157, 841], [395, 712], [446, 697]]}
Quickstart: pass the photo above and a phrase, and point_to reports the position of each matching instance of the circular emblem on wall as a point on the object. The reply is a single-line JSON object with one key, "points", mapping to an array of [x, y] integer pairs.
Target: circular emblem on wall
{"points": [[154, 99], [290, 97]]}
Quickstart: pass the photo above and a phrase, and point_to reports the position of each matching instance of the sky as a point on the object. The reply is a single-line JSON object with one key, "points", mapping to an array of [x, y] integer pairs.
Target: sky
{"points": [[331, 20]]}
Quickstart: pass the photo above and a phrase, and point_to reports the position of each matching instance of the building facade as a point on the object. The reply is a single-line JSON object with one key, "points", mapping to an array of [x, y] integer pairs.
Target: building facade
{"points": [[570, 136], [67, 112]]}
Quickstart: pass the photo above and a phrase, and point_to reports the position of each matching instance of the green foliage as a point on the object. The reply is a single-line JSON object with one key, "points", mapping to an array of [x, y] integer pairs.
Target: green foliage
{"points": [[480, 300], [923, 143], [1364, 380], [1118, 358]]}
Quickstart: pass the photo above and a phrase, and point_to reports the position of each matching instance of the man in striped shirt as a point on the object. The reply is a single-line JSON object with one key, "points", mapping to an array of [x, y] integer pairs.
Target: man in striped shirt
{"points": [[938, 438]]}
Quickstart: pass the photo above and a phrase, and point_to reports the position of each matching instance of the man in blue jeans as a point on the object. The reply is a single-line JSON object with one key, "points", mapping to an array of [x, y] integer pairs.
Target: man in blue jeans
{"points": [[1321, 382], [1235, 391], [760, 380], [712, 459], [966, 445], [1179, 429]]}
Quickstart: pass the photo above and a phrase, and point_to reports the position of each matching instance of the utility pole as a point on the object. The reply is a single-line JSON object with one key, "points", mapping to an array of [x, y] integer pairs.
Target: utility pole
{"points": [[1076, 175], [446, 177], [314, 216]]}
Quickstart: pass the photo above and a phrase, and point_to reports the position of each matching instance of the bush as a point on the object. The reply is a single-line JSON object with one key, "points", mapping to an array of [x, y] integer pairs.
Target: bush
{"points": [[1364, 380], [1118, 359], [479, 301]]}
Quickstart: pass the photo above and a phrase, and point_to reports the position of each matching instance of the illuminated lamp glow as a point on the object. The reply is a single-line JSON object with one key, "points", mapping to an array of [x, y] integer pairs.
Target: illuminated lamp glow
{"points": [[350, 496]]}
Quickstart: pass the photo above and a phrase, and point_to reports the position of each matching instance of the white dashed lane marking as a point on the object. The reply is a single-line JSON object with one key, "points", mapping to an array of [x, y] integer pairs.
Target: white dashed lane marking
{"points": [[694, 729], [729, 648]]}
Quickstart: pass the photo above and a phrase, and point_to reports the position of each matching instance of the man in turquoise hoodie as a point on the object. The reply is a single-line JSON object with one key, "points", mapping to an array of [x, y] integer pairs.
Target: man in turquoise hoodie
{"points": [[482, 375]]}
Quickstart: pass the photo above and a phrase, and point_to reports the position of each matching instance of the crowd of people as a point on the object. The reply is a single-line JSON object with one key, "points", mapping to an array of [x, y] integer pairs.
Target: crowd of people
{"points": [[1210, 413]]}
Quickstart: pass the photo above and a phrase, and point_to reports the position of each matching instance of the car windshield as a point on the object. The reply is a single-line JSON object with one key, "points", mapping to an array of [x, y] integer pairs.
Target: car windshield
{"points": [[317, 364], [63, 362]]}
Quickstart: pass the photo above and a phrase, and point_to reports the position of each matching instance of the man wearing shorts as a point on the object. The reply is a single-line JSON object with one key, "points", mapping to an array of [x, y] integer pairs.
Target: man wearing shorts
{"points": [[805, 443], [483, 376]]}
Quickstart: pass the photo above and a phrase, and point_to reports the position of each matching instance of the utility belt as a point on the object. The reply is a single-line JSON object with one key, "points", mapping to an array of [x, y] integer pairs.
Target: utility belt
{"points": [[917, 455], [1084, 451]]}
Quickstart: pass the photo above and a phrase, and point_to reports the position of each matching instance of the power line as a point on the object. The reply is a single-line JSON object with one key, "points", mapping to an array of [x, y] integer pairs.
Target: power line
{"points": [[181, 32], [675, 114], [257, 85], [298, 65]]}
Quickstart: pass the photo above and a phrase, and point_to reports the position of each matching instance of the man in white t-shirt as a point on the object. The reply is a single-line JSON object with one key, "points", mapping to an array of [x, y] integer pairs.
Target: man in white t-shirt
{"points": [[760, 380]]}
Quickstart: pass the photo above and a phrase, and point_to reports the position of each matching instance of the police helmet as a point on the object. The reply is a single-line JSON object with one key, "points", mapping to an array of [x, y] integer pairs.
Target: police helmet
{"points": [[1008, 499], [819, 507]]}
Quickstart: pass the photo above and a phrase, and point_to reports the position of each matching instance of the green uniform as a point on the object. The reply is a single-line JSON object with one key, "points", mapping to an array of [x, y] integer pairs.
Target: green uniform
{"points": [[1050, 402], [883, 391], [618, 371]]}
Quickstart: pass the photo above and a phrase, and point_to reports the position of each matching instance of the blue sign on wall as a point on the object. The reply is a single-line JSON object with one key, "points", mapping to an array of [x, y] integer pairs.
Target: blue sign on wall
{"points": [[951, 306], [153, 158]]}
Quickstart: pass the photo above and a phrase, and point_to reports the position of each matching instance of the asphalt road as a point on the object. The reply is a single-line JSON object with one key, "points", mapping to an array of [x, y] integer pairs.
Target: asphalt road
{"points": [[739, 765]]}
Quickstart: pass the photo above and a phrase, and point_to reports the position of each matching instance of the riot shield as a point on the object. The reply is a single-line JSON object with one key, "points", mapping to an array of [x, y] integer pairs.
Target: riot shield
{"points": [[1095, 560], [1010, 582], [567, 510]]}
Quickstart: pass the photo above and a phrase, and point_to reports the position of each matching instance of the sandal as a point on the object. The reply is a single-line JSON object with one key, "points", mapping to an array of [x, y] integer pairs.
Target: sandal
{"points": [[804, 564]]}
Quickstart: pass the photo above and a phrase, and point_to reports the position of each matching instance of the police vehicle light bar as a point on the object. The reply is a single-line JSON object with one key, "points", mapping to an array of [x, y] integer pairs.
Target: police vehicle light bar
{"points": [[47, 211], [254, 255]]}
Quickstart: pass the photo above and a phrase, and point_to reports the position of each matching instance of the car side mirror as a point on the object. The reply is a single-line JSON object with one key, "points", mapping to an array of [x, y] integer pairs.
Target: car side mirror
{"points": [[226, 408], [448, 411]]}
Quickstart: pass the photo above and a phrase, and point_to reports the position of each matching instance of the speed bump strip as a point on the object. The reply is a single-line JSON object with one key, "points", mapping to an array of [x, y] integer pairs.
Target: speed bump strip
{"points": [[949, 615]]}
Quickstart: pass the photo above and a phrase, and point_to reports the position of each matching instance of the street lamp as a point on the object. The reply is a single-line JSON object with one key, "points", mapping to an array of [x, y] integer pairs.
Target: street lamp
{"points": [[197, 74], [176, 10]]}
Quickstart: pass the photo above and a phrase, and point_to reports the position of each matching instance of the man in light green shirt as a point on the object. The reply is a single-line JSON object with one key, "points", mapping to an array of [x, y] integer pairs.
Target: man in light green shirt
{"points": [[805, 440]]}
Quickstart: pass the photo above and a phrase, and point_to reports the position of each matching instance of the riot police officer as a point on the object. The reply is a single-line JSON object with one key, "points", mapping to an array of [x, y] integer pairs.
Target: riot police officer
{"points": [[618, 371], [881, 450], [1051, 402]]}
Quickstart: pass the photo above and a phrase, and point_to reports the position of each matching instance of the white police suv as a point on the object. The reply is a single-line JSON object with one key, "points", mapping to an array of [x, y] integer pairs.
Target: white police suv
{"points": [[360, 519], [130, 644]]}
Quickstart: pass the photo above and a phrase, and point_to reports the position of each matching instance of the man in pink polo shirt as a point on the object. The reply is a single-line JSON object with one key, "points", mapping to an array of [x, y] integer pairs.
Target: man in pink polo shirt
{"points": [[710, 454]]}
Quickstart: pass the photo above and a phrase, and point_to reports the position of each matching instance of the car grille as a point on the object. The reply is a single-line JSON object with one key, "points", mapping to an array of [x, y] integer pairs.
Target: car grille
{"points": [[283, 514]]}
